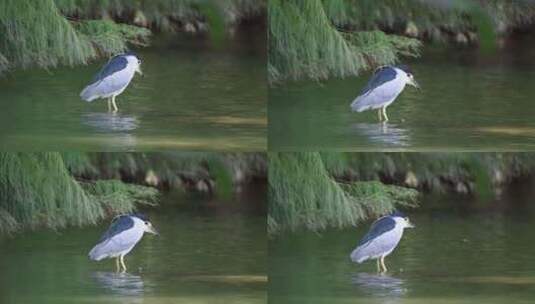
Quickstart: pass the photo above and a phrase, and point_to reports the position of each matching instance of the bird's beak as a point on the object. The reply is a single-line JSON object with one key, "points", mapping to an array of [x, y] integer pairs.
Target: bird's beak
{"points": [[139, 71], [410, 225], [413, 83], [152, 230]]}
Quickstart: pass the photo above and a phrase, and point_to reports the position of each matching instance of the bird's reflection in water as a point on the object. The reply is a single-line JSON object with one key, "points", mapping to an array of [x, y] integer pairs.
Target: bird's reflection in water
{"points": [[114, 126], [380, 285], [110, 122], [122, 284], [383, 133]]}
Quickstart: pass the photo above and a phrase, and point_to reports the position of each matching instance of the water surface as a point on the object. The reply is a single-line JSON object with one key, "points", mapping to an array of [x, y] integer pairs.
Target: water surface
{"points": [[209, 251], [194, 94], [470, 252], [470, 101]]}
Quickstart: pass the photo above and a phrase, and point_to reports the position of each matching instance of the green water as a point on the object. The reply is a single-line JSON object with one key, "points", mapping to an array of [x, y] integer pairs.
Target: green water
{"points": [[209, 251], [468, 252], [469, 101], [194, 95]]}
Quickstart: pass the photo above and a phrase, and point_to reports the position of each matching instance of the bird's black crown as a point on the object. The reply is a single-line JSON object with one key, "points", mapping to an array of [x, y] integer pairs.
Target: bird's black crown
{"points": [[397, 214], [140, 216], [130, 53], [404, 68]]}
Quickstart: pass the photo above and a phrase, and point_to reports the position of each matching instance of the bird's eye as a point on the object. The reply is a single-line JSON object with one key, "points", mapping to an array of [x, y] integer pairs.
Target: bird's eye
{"points": [[147, 223], [139, 61]]}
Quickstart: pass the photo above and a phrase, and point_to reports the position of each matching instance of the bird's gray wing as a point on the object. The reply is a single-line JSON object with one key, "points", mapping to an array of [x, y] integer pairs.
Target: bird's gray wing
{"points": [[113, 78], [116, 240], [124, 240], [118, 225], [380, 77], [114, 65], [379, 227], [384, 87], [116, 81], [381, 238]]}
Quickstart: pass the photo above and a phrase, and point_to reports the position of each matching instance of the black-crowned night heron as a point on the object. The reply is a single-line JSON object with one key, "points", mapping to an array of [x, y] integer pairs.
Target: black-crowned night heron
{"points": [[113, 79], [124, 233], [381, 240], [384, 87]]}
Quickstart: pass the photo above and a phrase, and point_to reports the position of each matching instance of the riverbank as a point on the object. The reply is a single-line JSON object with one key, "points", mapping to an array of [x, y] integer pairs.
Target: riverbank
{"points": [[316, 191], [49, 33], [59, 190]]}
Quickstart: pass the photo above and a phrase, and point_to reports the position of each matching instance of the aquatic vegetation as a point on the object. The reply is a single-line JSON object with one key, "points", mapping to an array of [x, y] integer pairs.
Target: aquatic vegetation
{"points": [[304, 43], [117, 197], [109, 38], [320, 190], [49, 33], [303, 194], [338, 38], [55, 190], [8, 224], [38, 190]]}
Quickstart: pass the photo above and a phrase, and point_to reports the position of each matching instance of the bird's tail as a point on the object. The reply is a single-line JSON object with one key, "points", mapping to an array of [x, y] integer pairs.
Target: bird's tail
{"points": [[357, 256], [95, 254], [358, 106], [88, 94]]}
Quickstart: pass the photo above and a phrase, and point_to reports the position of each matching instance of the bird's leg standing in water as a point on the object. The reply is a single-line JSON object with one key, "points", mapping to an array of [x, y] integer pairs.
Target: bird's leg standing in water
{"points": [[384, 114], [383, 264], [378, 266], [109, 104], [117, 264], [115, 109], [122, 263], [379, 114], [384, 127]]}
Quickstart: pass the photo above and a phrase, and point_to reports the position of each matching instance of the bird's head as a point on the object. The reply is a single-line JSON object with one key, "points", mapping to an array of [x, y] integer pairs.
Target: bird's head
{"points": [[409, 76], [147, 225], [402, 219], [134, 59]]}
